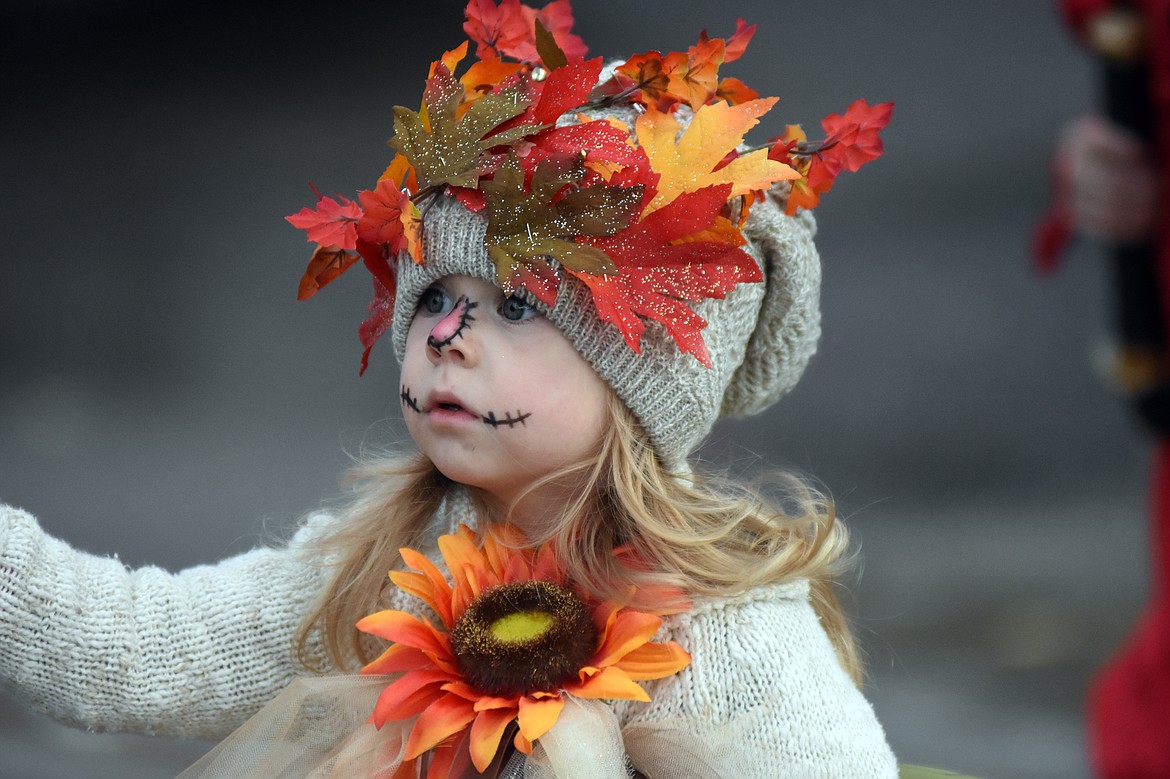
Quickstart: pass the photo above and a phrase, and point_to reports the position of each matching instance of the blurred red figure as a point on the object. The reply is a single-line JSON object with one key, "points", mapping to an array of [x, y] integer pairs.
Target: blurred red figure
{"points": [[1111, 176]]}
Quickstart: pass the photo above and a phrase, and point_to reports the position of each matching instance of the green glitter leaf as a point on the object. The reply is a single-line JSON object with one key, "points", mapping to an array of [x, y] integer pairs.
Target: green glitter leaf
{"points": [[444, 148], [527, 226]]}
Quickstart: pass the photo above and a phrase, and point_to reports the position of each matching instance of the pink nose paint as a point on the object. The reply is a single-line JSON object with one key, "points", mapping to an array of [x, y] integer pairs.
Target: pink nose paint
{"points": [[451, 326]]}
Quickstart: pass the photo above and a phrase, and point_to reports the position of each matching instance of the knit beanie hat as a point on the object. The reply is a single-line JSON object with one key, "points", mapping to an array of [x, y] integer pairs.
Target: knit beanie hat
{"points": [[621, 201]]}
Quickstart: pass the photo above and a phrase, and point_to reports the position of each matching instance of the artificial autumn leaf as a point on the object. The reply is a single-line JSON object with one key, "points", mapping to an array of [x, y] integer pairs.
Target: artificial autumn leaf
{"points": [[401, 173], [528, 224], [381, 316], [495, 30], [693, 162], [482, 77], [381, 221], [557, 18], [604, 148], [649, 76], [566, 88], [510, 29], [547, 49], [691, 78], [735, 91], [390, 219], [329, 224], [854, 139], [695, 78], [446, 149], [326, 264], [662, 263], [737, 43]]}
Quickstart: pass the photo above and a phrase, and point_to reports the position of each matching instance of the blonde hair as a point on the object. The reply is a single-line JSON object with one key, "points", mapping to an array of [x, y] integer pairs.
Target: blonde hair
{"points": [[702, 535]]}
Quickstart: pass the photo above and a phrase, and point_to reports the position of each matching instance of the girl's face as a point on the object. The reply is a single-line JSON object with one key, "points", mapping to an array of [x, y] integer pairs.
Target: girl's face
{"points": [[492, 392]]}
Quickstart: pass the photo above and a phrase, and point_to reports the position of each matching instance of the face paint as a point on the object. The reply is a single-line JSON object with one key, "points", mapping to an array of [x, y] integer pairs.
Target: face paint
{"points": [[491, 420], [451, 326], [409, 400], [508, 420]]}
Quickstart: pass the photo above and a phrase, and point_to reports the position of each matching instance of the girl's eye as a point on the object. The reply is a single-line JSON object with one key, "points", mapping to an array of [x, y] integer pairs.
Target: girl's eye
{"points": [[433, 301], [516, 309]]}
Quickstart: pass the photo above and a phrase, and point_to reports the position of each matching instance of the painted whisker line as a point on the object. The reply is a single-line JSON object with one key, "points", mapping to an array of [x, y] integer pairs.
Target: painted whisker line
{"points": [[462, 311], [409, 400], [509, 420]]}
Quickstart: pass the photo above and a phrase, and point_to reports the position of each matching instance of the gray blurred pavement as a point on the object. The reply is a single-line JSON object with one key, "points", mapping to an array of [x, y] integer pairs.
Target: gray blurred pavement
{"points": [[165, 398]]}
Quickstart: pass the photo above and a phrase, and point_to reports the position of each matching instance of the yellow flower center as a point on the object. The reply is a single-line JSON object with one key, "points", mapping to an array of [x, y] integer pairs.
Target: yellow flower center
{"points": [[521, 626]]}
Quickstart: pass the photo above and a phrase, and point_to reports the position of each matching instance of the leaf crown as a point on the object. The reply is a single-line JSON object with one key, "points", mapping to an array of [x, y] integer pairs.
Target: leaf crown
{"points": [[647, 214]]}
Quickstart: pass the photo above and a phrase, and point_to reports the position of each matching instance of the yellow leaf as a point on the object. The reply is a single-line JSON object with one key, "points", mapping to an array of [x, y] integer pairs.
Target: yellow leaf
{"points": [[689, 163]]}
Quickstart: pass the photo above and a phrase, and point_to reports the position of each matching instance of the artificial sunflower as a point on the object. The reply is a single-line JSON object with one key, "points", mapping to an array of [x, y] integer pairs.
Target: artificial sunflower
{"points": [[515, 638]]}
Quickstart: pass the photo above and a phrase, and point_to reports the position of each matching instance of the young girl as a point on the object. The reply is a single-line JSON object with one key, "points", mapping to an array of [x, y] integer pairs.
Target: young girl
{"points": [[581, 267]]}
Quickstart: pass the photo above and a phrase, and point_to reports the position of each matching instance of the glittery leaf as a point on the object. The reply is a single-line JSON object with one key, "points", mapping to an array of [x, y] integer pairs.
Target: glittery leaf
{"points": [[528, 224], [660, 269], [444, 149], [566, 88], [380, 318]]}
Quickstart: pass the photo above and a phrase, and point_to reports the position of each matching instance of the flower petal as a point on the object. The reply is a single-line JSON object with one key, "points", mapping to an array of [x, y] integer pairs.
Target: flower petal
{"points": [[537, 716], [517, 569], [459, 552], [399, 657], [654, 661], [486, 732], [403, 628], [629, 631], [407, 695], [446, 716], [440, 600], [546, 569], [609, 683], [521, 743]]}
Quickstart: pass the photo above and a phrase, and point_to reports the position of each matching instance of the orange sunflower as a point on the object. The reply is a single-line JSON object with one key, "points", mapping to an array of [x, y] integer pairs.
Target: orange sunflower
{"points": [[515, 638]]}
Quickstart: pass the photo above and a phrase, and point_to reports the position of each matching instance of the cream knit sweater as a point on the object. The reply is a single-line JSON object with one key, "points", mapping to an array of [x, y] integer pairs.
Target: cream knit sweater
{"points": [[194, 654]]}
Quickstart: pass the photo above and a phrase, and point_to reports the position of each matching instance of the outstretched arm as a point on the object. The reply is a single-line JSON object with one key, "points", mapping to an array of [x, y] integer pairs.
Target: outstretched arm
{"points": [[193, 654]]}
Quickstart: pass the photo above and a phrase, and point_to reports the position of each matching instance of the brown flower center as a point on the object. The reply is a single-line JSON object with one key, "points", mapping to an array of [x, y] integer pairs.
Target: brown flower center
{"points": [[523, 637]]}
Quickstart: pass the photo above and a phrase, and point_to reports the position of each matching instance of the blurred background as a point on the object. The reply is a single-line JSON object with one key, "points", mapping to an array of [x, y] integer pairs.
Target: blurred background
{"points": [[164, 397]]}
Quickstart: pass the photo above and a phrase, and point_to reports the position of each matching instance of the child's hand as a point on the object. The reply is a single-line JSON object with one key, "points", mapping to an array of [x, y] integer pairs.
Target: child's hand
{"points": [[1105, 181]]}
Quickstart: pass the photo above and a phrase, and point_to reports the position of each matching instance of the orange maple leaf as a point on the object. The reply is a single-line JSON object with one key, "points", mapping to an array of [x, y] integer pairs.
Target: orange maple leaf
{"points": [[696, 159], [326, 264]]}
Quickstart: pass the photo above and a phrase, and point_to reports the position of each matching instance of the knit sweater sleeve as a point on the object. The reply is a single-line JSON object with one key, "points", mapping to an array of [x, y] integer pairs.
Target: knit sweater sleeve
{"points": [[763, 697], [191, 654]]}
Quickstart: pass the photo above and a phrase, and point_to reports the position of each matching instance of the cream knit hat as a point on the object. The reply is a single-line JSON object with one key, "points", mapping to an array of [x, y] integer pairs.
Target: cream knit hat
{"points": [[760, 337]]}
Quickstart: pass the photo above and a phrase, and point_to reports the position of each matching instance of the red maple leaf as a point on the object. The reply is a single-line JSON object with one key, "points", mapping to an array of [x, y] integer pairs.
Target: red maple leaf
{"points": [[659, 271], [566, 88], [509, 29], [381, 316], [381, 220], [854, 139], [331, 223], [495, 29]]}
